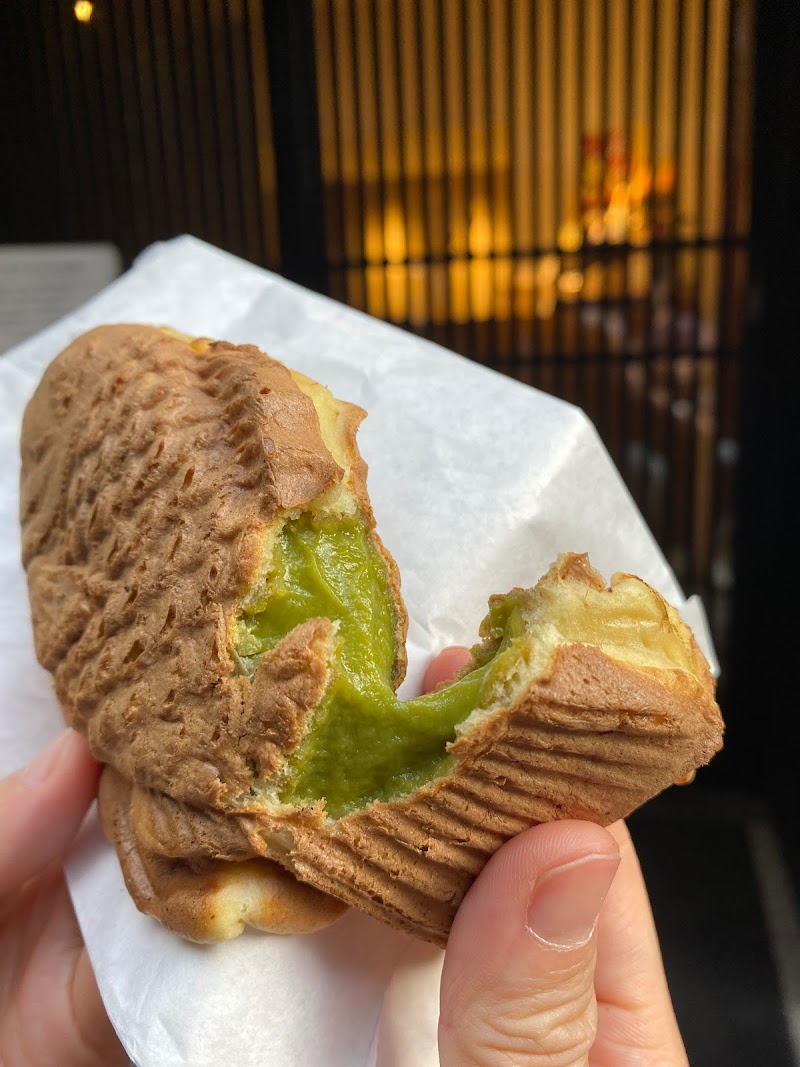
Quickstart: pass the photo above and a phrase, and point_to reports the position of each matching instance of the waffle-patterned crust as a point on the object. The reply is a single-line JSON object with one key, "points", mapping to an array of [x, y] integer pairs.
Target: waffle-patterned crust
{"points": [[207, 898], [592, 740], [151, 469]]}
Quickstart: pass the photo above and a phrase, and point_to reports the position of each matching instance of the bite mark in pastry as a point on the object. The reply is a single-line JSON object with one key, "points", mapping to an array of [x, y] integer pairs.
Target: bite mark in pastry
{"points": [[224, 624]]}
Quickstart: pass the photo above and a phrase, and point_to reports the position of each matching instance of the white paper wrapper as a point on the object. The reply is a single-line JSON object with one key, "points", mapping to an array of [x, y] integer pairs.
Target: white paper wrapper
{"points": [[477, 483]]}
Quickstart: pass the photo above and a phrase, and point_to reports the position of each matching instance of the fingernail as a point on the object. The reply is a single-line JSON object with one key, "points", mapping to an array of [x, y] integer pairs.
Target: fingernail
{"points": [[566, 901], [46, 763]]}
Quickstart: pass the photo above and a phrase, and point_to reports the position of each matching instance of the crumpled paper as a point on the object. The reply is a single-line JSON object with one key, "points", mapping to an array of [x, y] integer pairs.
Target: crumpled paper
{"points": [[477, 482]]}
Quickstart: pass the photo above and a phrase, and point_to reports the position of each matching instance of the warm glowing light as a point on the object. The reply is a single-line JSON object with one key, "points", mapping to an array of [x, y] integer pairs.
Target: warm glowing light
{"points": [[546, 304], [394, 235], [595, 228], [397, 286], [524, 283], [640, 184], [638, 228], [547, 270], [480, 230], [594, 282], [459, 291], [480, 292], [617, 214], [665, 178], [83, 10], [570, 236], [570, 283]]}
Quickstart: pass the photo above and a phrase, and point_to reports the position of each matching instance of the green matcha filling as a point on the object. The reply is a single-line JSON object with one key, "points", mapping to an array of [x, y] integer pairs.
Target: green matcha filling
{"points": [[364, 744]]}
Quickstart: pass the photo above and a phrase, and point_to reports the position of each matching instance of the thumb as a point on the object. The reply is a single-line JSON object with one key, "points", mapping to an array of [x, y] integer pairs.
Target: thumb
{"points": [[518, 978]]}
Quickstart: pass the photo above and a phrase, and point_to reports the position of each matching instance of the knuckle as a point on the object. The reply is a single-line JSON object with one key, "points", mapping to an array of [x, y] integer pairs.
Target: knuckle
{"points": [[556, 1028]]}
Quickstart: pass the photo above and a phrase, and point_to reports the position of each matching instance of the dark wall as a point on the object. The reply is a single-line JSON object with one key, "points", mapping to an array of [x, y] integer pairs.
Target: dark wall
{"points": [[32, 206], [764, 666], [150, 120]]}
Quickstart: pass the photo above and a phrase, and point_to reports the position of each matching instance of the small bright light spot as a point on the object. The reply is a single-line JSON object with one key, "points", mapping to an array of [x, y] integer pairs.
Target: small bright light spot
{"points": [[547, 270], [570, 236], [570, 283], [83, 10]]}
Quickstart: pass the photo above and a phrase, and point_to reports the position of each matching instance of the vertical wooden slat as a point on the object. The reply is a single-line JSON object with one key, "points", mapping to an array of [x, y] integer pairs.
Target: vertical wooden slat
{"points": [[176, 176], [685, 385], [77, 202], [332, 176], [664, 118], [460, 266], [438, 146], [31, 106], [545, 123], [547, 268], [85, 103], [431, 24], [415, 197], [208, 140], [615, 122], [503, 239], [712, 220], [455, 153], [222, 107], [246, 132], [690, 118], [498, 125], [592, 177], [128, 232], [229, 21], [594, 73], [615, 221], [641, 167], [480, 236], [739, 170], [711, 194], [395, 201], [262, 124], [350, 140], [569, 232], [197, 177], [370, 176], [143, 93], [677, 457], [525, 179], [639, 279], [408, 72], [524, 129], [121, 62]]}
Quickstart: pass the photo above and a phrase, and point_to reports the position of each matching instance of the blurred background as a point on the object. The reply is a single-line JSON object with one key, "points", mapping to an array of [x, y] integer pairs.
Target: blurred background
{"points": [[598, 197]]}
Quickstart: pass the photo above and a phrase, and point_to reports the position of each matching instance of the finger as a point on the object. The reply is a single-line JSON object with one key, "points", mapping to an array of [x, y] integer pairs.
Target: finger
{"points": [[101, 1044], [637, 1023], [41, 808], [444, 666], [517, 984], [57, 997]]}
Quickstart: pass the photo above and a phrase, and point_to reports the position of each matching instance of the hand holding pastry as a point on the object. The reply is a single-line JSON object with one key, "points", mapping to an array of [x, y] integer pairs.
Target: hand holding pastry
{"points": [[50, 1008], [529, 971]]}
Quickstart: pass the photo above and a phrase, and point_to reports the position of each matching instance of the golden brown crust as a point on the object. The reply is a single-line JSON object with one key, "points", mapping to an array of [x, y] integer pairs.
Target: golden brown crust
{"points": [[207, 899]]}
